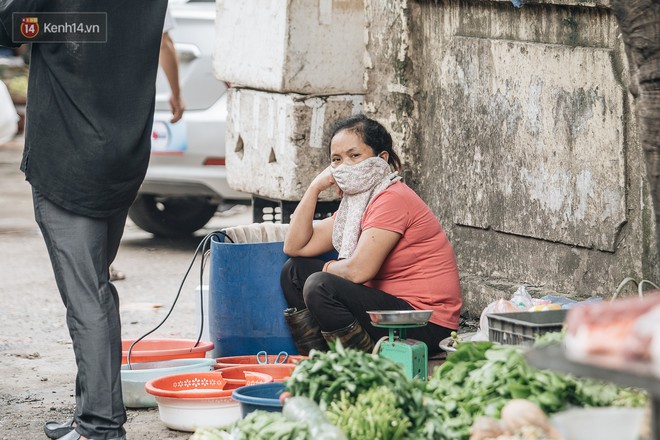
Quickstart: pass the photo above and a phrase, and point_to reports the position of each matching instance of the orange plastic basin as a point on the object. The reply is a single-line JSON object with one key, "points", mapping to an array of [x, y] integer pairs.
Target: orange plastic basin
{"points": [[199, 385], [279, 372], [148, 350], [231, 361]]}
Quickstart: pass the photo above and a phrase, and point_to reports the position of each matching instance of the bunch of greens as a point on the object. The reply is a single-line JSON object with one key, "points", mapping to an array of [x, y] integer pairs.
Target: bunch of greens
{"points": [[480, 378], [374, 415], [258, 425], [549, 338], [344, 374], [303, 409]]}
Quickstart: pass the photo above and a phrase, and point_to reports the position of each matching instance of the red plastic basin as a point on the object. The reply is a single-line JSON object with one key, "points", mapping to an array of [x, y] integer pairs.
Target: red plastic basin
{"points": [[199, 385], [279, 372], [231, 361], [148, 350]]}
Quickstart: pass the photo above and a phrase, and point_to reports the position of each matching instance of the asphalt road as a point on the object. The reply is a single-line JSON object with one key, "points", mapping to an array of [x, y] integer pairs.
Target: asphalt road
{"points": [[37, 367]]}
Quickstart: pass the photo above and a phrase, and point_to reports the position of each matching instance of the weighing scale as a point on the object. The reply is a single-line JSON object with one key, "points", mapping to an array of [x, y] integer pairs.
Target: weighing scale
{"points": [[409, 353]]}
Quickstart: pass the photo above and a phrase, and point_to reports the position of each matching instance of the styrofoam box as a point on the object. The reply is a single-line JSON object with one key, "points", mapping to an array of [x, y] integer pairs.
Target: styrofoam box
{"points": [[306, 46], [277, 143]]}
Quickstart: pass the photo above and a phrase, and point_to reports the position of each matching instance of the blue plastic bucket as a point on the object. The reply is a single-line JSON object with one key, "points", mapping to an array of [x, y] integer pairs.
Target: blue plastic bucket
{"points": [[264, 397], [246, 303]]}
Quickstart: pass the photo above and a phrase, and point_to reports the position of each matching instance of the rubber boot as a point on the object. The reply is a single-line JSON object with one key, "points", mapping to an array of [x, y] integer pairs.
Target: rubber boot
{"points": [[305, 331], [353, 336]]}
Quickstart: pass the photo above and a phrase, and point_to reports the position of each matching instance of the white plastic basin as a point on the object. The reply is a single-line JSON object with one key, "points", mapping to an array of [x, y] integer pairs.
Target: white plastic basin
{"points": [[134, 380], [190, 414], [188, 401]]}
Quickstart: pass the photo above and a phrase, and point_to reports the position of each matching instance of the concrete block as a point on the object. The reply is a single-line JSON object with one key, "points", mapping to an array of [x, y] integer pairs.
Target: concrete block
{"points": [[277, 143], [306, 46], [538, 134]]}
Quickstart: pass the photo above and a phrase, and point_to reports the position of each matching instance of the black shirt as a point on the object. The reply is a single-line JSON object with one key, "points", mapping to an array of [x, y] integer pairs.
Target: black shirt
{"points": [[90, 105]]}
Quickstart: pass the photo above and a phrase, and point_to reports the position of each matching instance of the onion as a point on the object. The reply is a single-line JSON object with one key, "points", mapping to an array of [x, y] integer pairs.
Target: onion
{"points": [[485, 428], [519, 413]]}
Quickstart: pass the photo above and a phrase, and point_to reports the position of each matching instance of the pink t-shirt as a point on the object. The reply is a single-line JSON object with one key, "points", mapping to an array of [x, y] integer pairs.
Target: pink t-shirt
{"points": [[421, 269]]}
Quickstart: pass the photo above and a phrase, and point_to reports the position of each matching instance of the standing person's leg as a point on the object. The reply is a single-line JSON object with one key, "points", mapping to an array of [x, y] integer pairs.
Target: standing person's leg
{"points": [[81, 249], [304, 329]]}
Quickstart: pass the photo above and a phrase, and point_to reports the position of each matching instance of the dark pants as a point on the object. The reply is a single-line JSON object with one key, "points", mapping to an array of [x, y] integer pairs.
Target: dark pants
{"points": [[336, 302], [81, 250]]}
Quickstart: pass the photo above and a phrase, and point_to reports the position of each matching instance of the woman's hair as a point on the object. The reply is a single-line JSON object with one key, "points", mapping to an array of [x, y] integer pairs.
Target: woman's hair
{"points": [[372, 134]]}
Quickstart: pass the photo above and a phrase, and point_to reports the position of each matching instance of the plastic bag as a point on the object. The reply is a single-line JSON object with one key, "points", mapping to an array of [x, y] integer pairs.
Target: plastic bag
{"points": [[8, 116], [500, 306], [522, 299]]}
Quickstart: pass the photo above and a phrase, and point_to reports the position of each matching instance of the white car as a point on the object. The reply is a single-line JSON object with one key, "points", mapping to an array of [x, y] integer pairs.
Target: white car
{"points": [[186, 180]]}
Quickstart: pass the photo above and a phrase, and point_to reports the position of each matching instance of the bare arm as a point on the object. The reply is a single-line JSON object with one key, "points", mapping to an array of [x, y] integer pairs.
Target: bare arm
{"points": [[304, 237], [169, 63], [373, 247]]}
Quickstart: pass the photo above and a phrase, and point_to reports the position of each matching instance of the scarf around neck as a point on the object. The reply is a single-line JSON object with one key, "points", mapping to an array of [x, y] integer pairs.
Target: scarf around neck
{"points": [[360, 183]]}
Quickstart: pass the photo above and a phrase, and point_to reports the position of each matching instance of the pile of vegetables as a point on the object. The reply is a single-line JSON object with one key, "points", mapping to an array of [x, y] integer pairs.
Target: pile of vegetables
{"points": [[301, 419], [344, 381], [348, 394], [480, 378], [373, 415], [521, 419], [258, 425]]}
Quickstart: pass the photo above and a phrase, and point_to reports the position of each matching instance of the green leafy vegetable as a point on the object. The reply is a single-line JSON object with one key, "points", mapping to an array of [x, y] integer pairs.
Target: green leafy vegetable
{"points": [[345, 374], [374, 415], [478, 380], [304, 409], [549, 338], [257, 425]]}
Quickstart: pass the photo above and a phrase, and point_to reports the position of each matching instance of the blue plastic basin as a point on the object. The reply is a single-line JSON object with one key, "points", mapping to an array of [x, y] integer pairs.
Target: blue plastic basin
{"points": [[264, 396]]}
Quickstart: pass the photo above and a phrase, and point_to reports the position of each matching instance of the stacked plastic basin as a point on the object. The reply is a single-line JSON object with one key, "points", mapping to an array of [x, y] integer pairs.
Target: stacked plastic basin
{"points": [[189, 401], [175, 375], [264, 396], [192, 391], [152, 358]]}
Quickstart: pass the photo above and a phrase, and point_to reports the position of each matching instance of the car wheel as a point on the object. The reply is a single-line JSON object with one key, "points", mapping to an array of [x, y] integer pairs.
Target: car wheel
{"points": [[171, 217]]}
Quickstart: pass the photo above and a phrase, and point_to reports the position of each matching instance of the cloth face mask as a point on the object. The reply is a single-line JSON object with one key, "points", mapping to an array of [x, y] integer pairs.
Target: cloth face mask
{"points": [[360, 183]]}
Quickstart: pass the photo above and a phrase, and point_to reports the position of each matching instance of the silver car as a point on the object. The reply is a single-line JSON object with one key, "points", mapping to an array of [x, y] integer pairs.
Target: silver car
{"points": [[186, 179]]}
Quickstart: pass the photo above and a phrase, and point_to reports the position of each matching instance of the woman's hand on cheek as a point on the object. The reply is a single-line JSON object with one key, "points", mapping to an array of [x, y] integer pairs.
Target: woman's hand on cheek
{"points": [[323, 181]]}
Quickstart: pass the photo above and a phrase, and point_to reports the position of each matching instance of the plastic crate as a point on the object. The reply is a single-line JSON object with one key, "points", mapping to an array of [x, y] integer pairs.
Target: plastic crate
{"points": [[265, 209], [522, 328]]}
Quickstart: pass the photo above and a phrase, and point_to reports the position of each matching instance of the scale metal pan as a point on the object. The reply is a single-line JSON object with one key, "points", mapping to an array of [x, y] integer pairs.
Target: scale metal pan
{"points": [[400, 316]]}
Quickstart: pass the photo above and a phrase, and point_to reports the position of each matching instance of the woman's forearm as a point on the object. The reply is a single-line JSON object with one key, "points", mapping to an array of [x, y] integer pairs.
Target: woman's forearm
{"points": [[301, 227]]}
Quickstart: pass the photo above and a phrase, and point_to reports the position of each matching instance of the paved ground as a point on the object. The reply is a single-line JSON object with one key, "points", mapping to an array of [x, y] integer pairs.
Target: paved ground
{"points": [[37, 366]]}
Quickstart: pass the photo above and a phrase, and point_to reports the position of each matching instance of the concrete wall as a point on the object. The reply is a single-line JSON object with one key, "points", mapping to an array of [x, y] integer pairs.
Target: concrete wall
{"points": [[516, 126]]}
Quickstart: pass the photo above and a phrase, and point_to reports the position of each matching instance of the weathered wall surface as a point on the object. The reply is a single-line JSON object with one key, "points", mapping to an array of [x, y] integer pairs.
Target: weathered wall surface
{"points": [[517, 127]]}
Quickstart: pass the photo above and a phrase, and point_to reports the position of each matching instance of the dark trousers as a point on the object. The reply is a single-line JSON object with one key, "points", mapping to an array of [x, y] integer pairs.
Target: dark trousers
{"points": [[81, 250], [336, 302]]}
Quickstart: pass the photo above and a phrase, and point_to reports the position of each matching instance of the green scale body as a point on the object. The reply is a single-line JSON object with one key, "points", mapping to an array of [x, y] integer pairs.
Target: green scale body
{"points": [[409, 353]]}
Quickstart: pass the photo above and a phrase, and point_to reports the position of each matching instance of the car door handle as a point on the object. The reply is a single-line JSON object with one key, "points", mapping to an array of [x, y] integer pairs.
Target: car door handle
{"points": [[187, 52]]}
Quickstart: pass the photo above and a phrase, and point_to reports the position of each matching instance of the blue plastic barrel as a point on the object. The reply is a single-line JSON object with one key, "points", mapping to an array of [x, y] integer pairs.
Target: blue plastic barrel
{"points": [[246, 303]]}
